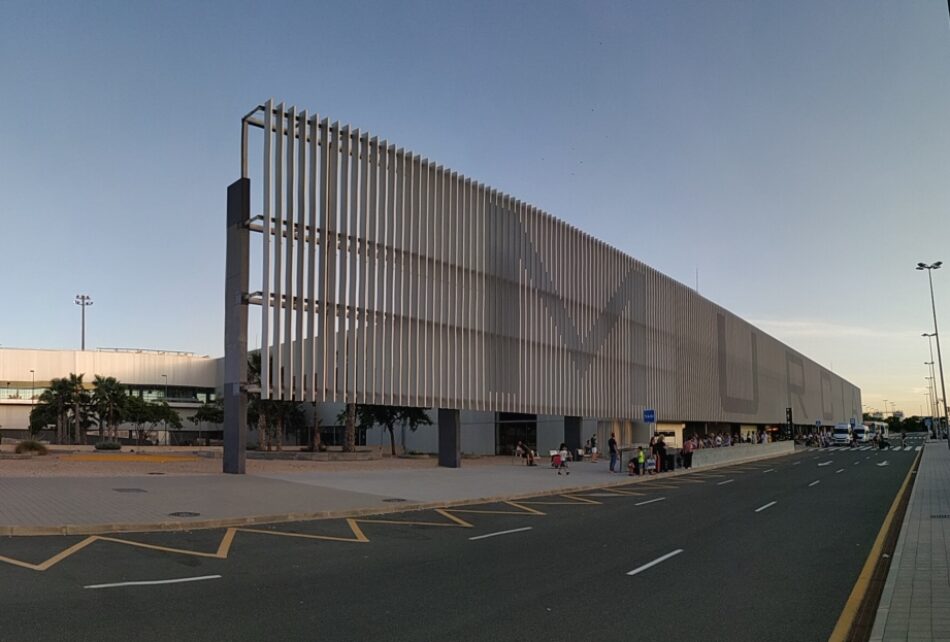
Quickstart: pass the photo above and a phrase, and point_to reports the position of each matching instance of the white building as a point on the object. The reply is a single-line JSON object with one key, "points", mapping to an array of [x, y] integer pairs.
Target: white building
{"points": [[184, 380]]}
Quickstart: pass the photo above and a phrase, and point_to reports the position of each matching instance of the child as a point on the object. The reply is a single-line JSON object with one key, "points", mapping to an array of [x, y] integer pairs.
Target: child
{"points": [[561, 458]]}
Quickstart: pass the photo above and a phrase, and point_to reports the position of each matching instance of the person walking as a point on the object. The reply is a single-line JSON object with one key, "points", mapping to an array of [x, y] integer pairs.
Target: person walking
{"points": [[612, 447], [562, 456]]}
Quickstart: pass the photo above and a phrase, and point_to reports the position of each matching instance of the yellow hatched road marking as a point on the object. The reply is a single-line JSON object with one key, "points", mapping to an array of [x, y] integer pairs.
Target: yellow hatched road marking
{"points": [[522, 510], [575, 500]]}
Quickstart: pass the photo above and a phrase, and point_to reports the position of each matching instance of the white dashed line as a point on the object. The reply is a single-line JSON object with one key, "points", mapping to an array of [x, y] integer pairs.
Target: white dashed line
{"points": [[180, 580], [770, 470], [840, 470], [658, 560], [762, 508], [814, 483], [723, 483], [513, 530], [826, 463], [650, 501], [883, 463]]}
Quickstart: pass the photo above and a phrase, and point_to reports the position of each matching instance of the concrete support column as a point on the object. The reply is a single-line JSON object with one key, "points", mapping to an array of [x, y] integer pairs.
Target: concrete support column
{"points": [[235, 326], [572, 434], [450, 438]]}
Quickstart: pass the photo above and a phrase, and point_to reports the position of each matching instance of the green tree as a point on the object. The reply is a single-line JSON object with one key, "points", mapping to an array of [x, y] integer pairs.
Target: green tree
{"points": [[109, 398], [210, 413], [67, 400], [389, 417]]}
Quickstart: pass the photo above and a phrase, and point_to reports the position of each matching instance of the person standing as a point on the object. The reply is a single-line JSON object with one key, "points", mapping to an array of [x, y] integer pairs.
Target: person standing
{"points": [[614, 455], [688, 453]]}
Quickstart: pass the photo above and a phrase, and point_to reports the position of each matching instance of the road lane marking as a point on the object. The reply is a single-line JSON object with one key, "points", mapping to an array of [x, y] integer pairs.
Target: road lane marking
{"points": [[796, 463], [513, 530], [650, 501], [850, 611], [826, 463], [908, 449], [179, 580], [814, 483], [658, 560], [840, 470], [883, 463], [856, 463], [723, 483], [918, 448], [762, 508], [770, 470]]}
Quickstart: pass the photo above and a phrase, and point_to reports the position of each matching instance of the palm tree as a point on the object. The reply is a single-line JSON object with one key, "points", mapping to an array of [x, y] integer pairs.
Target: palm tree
{"points": [[110, 400], [80, 407]]}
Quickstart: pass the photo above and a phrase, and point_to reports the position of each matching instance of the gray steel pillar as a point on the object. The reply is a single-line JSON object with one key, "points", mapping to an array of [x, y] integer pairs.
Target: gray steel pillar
{"points": [[235, 326], [572, 434], [450, 438]]}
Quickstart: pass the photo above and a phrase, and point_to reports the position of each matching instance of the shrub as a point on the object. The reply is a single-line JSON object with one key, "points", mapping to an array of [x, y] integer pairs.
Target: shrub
{"points": [[31, 446], [108, 445]]}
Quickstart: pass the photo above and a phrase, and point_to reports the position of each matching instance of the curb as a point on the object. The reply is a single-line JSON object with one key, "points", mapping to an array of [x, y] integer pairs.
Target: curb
{"points": [[282, 518]]}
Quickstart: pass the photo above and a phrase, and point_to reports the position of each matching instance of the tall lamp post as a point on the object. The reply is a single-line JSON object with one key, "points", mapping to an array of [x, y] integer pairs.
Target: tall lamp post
{"points": [[84, 301], [933, 306], [29, 423], [165, 377]]}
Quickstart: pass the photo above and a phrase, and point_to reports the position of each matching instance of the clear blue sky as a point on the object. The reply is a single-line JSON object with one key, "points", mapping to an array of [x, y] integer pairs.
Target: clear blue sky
{"points": [[796, 153]]}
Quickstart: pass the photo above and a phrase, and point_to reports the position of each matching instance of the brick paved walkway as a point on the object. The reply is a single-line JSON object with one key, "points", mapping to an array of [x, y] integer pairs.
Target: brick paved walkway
{"points": [[915, 604]]}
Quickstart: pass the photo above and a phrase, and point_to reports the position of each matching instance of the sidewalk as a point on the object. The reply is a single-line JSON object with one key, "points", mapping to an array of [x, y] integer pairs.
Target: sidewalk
{"points": [[96, 504], [915, 604], [65, 496]]}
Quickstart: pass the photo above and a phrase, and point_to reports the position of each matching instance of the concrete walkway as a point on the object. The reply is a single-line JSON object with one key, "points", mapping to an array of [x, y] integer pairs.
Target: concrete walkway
{"points": [[128, 502], [915, 604], [86, 505]]}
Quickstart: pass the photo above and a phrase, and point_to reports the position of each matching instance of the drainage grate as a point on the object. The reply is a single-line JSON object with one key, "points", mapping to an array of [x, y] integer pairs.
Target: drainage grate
{"points": [[183, 513], [130, 490], [156, 473], [393, 500], [940, 517]]}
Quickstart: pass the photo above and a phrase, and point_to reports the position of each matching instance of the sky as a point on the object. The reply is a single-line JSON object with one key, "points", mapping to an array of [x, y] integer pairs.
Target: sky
{"points": [[793, 155]]}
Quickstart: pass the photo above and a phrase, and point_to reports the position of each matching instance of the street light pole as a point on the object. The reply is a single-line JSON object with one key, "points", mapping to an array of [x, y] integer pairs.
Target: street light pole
{"points": [[29, 423], [165, 376], [83, 300], [933, 306]]}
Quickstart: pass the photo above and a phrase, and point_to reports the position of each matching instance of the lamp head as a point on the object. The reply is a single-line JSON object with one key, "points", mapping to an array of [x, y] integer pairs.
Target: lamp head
{"points": [[921, 266], [937, 265]]}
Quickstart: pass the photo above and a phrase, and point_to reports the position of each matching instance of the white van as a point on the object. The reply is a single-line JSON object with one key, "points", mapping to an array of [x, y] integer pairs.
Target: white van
{"points": [[841, 435], [862, 434]]}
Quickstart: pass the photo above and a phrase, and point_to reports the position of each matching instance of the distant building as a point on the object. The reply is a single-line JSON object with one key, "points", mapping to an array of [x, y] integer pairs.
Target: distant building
{"points": [[184, 380]]}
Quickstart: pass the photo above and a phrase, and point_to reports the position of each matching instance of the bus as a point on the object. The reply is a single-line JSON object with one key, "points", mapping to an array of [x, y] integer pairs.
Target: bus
{"points": [[877, 428]]}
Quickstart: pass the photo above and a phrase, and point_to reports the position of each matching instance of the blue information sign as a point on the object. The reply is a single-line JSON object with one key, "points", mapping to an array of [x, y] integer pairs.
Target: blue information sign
{"points": [[649, 416]]}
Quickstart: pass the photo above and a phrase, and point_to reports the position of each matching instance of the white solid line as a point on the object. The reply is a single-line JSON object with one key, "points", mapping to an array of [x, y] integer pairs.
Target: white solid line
{"points": [[840, 470], [815, 483], [154, 582], [762, 508], [655, 562], [650, 501], [826, 463], [513, 530], [770, 470], [723, 483]]}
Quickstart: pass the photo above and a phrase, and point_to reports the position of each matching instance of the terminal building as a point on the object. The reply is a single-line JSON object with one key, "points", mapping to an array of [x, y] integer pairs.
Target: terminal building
{"points": [[388, 279]]}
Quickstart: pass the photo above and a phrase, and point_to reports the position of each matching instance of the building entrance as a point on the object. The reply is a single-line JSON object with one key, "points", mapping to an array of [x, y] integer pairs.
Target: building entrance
{"points": [[512, 427]]}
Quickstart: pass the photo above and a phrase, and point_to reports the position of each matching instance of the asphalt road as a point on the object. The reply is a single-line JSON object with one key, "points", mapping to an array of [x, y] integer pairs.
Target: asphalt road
{"points": [[733, 566]]}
